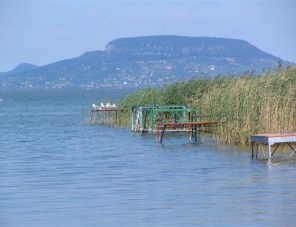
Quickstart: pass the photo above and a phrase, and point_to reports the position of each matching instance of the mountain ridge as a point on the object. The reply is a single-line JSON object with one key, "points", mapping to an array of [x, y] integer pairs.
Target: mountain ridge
{"points": [[171, 42], [145, 61]]}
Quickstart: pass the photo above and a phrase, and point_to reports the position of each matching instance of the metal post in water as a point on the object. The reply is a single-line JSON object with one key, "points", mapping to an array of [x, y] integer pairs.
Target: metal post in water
{"points": [[184, 114], [91, 117], [132, 120], [116, 117], [162, 133], [195, 133], [141, 119], [269, 151]]}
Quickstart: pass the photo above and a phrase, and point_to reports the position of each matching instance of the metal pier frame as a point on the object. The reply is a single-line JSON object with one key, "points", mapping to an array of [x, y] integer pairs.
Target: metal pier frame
{"points": [[95, 112], [146, 118]]}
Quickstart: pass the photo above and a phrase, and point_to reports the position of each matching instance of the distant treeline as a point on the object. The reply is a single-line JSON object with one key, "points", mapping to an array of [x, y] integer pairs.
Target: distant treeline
{"points": [[244, 105]]}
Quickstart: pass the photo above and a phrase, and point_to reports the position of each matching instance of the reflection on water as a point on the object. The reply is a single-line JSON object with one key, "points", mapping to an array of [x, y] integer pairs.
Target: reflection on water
{"points": [[56, 171]]}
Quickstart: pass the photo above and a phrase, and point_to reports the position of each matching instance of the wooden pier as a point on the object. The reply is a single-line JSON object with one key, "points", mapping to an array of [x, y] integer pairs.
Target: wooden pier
{"points": [[271, 140], [155, 119], [194, 127]]}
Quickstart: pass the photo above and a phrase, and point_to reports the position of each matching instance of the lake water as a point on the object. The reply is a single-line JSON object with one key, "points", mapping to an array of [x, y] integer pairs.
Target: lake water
{"points": [[57, 171]]}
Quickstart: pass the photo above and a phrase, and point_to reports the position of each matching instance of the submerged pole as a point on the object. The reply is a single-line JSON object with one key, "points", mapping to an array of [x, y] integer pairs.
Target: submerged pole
{"points": [[91, 117], [116, 117], [195, 133]]}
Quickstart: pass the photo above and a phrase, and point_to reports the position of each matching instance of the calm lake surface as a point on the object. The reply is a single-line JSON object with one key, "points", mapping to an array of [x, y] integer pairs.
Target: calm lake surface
{"points": [[57, 171]]}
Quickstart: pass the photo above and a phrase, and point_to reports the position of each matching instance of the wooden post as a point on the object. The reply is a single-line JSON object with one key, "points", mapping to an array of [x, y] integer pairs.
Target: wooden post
{"points": [[162, 133], [91, 117], [116, 118], [269, 151], [195, 133]]}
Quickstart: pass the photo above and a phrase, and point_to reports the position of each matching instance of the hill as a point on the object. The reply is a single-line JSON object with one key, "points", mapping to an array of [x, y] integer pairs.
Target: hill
{"points": [[145, 61], [23, 67]]}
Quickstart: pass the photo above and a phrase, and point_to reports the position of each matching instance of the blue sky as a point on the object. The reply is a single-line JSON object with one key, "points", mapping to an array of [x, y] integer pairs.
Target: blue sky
{"points": [[41, 32]]}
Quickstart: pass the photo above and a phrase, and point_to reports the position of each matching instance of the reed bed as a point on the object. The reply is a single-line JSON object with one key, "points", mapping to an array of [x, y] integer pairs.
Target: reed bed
{"points": [[248, 105], [244, 105]]}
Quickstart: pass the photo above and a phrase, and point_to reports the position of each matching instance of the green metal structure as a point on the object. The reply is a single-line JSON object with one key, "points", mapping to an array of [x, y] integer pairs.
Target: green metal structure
{"points": [[145, 119]]}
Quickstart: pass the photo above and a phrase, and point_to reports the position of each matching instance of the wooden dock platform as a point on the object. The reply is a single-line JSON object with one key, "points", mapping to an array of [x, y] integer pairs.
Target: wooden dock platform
{"points": [[194, 127], [273, 140]]}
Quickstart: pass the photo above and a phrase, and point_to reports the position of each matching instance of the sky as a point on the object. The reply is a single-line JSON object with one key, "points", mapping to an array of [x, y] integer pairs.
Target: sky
{"points": [[42, 32]]}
